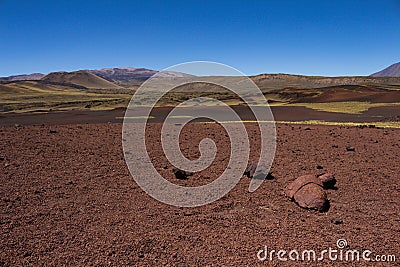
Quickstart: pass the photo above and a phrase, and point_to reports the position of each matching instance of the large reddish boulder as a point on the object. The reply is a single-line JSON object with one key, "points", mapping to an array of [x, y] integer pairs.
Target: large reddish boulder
{"points": [[300, 182], [308, 191]]}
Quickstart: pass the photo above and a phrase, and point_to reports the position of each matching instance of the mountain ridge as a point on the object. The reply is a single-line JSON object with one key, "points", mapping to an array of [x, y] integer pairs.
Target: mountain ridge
{"points": [[24, 77], [391, 71], [80, 78], [130, 77]]}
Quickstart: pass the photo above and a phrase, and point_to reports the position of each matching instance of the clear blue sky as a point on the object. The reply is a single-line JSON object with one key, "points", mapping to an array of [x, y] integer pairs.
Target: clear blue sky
{"points": [[300, 37]]}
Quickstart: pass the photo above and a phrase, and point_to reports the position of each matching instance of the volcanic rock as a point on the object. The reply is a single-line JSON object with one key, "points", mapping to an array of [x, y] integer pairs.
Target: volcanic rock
{"points": [[308, 192], [336, 221], [328, 180], [181, 174], [250, 169]]}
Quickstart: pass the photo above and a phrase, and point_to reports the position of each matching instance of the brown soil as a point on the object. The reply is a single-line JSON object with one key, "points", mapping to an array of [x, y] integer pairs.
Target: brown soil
{"points": [[281, 113], [67, 198], [352, 93]]}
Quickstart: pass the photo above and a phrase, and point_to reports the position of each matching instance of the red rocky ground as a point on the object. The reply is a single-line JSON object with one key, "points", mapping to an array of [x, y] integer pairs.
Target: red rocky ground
{"points": [[67, 198]]}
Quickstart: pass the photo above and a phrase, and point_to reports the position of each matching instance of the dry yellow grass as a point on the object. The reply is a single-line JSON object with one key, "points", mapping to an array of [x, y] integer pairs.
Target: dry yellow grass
{"points": [[341, 107], [383, 124]]}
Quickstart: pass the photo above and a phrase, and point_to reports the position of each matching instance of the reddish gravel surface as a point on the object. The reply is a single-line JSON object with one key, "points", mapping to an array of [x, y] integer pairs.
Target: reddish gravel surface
{"points": [[67, 199]]}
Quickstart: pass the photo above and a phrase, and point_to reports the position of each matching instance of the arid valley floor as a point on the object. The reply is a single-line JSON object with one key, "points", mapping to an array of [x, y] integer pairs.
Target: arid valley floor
{"points": [[67, 197]]}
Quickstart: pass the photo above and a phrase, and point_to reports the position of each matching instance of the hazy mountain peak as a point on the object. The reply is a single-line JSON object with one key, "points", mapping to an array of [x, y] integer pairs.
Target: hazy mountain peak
{"points": [[127, 74], [24, 77], [391, 71], [80, 78]]}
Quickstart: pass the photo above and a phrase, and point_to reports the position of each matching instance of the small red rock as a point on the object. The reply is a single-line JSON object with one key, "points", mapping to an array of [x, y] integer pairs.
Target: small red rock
{"points": [[328, 180], [181, 174], [250, 169]]}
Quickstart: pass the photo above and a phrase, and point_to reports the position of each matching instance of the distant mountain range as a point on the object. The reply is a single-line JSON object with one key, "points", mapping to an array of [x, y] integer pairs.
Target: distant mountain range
{"points": [[113, 88], [121, 76], [128, 78], [124, 74], [391, 71], [128, 74], [79, 79], [24, 77]]}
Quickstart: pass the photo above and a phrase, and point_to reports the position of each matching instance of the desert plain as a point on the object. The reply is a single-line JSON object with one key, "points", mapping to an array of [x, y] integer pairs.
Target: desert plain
{"points": [[68, 199]]}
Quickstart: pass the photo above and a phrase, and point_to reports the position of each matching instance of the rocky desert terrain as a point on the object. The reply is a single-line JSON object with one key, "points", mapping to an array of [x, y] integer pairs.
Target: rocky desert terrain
{"points": [[67, 198]]}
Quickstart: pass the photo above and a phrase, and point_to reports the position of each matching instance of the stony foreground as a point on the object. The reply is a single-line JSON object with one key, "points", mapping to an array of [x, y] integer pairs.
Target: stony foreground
{"points": [[67, 198]]}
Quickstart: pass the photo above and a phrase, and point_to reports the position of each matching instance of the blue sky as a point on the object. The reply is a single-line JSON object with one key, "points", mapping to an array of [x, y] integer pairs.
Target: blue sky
{"points": [[300, 37]]}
